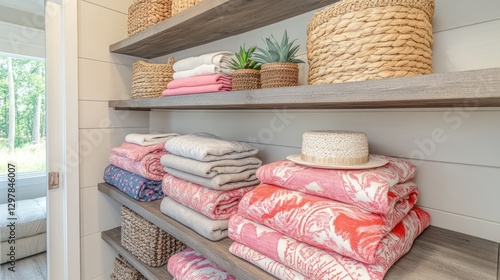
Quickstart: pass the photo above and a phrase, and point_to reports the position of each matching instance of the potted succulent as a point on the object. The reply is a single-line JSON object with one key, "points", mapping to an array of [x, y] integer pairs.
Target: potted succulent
{"points": [[246, 73], [279, 63]]}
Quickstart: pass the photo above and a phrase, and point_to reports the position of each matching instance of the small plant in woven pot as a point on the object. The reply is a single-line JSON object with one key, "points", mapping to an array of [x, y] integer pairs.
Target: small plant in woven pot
{"points": [[279, 63], [246, 75]]}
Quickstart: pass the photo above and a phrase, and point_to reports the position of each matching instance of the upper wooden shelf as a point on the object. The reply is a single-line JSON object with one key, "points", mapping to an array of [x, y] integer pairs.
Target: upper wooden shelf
{"points": [[476, 88], [210, 21]]}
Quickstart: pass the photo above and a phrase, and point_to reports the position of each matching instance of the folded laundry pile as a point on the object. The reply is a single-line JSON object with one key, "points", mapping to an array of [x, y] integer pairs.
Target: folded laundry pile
{"points": [[191, 265]]}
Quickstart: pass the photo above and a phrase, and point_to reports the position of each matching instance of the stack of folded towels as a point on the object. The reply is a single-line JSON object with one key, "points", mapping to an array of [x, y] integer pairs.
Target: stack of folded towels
{"points": [[135, 167], [202, 74], [206, 176], [191, 265], [306, 222]]}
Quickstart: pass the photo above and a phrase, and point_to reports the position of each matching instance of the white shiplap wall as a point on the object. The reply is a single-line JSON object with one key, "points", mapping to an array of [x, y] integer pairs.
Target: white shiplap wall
{"points": [[458, 177], [102, 76]]}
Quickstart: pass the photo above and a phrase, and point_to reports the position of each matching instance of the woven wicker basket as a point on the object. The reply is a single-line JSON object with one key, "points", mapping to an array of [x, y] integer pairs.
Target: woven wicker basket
{"points": [[356, 40], [279, 74], [181, 5], [149, 79], [146, 241], [246, 79], [125, 271], [146, 13]]}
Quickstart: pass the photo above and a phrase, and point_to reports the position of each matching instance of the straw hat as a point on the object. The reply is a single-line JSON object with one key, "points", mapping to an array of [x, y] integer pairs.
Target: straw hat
{"points": [[336, 150]]}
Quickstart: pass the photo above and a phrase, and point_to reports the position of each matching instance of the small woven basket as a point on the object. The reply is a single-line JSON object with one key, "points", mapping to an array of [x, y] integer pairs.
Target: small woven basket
{"points": [[125, 271], [181, 5], [279, 74], [150, 79], [143, 14], [146, 241], [357, 40], [246, 79]]}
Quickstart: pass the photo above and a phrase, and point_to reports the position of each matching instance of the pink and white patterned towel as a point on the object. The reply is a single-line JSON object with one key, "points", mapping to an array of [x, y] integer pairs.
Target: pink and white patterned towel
{"points": [[191, 265], [209, 202], [322, 222], [137, 152], [148, 166], [315, 263], [374, 190]]}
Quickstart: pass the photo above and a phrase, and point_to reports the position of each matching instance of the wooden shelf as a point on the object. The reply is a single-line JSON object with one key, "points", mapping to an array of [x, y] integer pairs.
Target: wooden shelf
{"points": [[476, 88], [113, 237], [210, 21], [436, 254]]}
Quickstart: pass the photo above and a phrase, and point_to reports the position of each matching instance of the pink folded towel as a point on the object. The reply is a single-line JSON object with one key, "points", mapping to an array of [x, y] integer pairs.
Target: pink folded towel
{"points": [[202, 80], [191, 265], [197, 89]]}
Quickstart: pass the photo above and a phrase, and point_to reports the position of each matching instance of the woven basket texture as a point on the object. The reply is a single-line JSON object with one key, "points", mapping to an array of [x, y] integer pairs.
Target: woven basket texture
{"points": [[246, 79], [146, 241], [370, 39], [143, 14], [125, 271], [150, 79], [181, 5], [279, 74]]}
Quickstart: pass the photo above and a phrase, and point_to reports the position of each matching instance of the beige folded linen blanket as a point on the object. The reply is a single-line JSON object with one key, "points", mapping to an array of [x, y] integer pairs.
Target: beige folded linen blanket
{"points": [[205, 69], [210, 169], [211, 229], [149, 139], [216, 58], [208, 147], [221, 182]]}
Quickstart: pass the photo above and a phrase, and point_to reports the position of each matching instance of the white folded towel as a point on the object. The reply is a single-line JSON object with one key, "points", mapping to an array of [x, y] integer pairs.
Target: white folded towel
{"points": [[193, 62], [149, 139], [205, 69]]}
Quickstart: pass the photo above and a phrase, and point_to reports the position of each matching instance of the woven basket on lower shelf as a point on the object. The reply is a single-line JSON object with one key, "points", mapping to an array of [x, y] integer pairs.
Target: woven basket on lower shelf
{"points": [[181, 5], [146, 241], [356, 40], [125, 271], [143, 14], [150, 79]]}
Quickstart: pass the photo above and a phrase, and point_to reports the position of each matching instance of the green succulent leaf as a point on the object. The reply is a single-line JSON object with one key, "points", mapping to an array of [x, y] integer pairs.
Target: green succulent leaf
{"points": [[243, 60], [275, 51]]}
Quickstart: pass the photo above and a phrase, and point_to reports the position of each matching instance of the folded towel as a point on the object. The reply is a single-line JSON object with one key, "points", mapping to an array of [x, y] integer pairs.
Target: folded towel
{"points": [[322, 222], [204, 80], [149, 139], [211, 229], [222, 182], [315, 263], [191, 265], [211, 203], [208, 147], [215, 58], [205, 69], [210, 169], [267, 264], [137, 152], [370, 189], [135, 186], [196, 90], [148, 167]]}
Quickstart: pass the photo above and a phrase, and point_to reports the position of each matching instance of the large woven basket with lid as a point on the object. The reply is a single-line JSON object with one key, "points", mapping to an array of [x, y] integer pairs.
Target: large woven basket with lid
{"points": [[370, 39], [143, 14], [151, 79]]}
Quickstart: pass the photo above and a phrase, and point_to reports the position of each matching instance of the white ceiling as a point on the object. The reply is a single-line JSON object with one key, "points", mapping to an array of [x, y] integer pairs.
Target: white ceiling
{"points": [[30, 6]]}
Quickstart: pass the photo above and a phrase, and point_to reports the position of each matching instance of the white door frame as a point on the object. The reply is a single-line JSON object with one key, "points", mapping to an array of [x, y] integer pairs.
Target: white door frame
{"points": [[63, 207]]}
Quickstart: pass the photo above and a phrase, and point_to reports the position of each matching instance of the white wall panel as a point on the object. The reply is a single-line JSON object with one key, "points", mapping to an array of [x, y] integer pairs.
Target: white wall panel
{"points": [[457, 13], [116, 5], [99, 212], [97, 257], [104, 80], [97, 114]]}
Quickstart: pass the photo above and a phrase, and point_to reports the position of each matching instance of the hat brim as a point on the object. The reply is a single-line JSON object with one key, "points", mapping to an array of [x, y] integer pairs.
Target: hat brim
{"points": [[373, 162]]}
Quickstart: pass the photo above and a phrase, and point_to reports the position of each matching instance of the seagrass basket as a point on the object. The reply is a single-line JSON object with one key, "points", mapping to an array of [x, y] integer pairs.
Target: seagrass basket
{"points": [[146, 241], [245, 79], [279, 74], [181, 5], [125, 271], [143, 14], [151, 79], [357, 40]]}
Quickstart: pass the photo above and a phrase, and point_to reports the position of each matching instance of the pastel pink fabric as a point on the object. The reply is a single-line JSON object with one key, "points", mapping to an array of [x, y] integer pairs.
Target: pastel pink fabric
{"points": [[197, 89], [138, 152], [202, 80], [322, 222], [315, 263], [141, 160], [191, 265], [215, 204], [375, 190]]}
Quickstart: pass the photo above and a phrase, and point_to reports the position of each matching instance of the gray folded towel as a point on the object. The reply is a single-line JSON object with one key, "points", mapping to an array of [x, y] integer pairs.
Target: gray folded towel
{"points": [[211, 229], [210, 169], [222, 182], [208, 147]]}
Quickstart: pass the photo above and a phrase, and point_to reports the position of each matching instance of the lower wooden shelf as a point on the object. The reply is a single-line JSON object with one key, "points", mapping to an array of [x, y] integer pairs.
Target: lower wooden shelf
{"points": [[113, 237], [436, 254]]}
